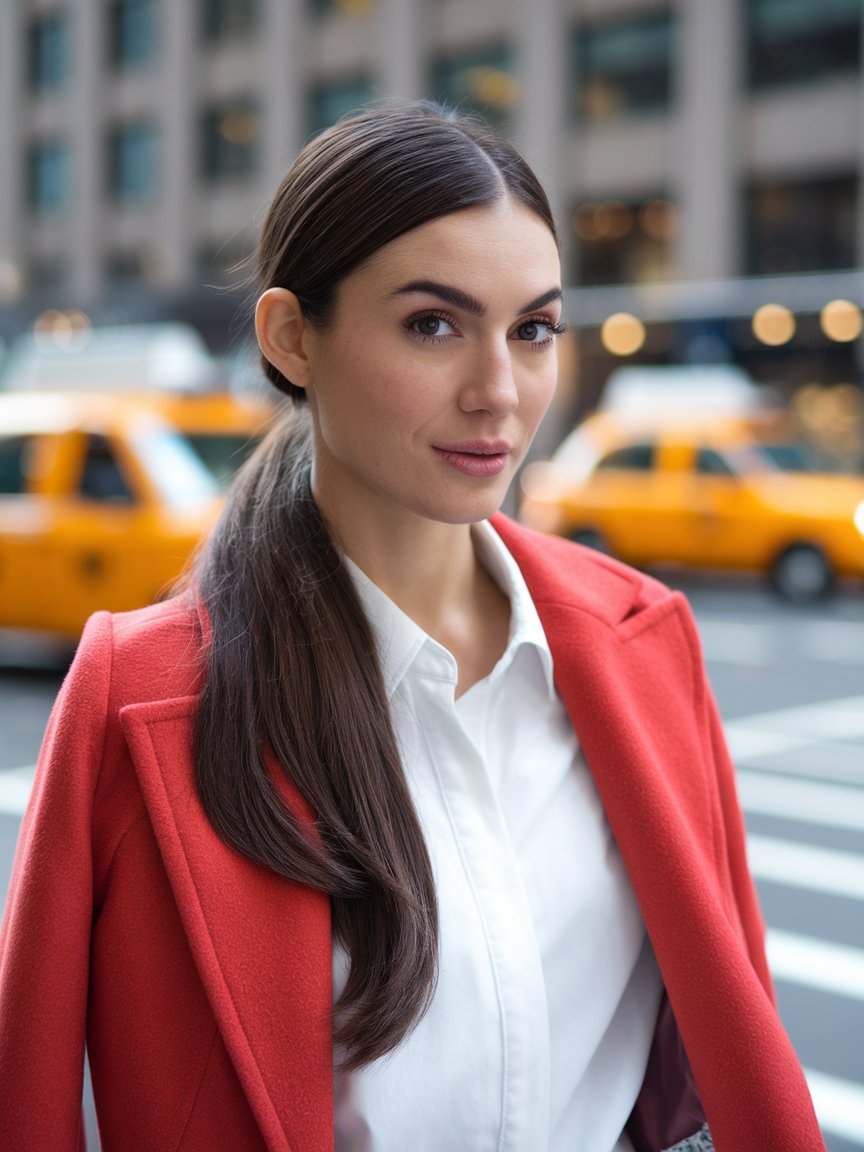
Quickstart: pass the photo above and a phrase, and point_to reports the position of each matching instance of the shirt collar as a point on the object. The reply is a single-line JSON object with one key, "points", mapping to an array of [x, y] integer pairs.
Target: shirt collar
{"points": [[525, 625], [399, 639]]}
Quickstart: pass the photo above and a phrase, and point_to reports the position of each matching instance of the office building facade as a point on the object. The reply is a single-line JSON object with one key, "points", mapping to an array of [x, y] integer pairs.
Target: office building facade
{"points": [[680, 140]]}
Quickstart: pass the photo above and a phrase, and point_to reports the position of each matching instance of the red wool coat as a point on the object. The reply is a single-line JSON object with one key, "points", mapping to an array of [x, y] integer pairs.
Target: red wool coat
{"points": [[202, 983]]}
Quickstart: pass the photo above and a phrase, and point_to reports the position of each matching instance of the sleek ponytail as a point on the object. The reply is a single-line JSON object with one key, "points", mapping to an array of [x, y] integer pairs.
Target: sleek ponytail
{"points": [[292, 665]]}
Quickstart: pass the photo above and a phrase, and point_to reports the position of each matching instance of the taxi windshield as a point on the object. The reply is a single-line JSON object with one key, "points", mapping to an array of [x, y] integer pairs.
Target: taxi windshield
{"points": [[222, 453], [173, 467], [770, 456]]}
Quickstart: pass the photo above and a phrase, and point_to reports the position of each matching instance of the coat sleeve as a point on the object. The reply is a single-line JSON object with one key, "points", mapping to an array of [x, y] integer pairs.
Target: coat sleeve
{"points": [[733, 851], [45, 935], [743, 888]]}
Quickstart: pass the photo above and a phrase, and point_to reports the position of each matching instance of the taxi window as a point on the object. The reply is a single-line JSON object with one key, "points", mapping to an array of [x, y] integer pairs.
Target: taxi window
{"points": [[634, 457], [13, 465], [101, 477], [222, 453], [174, 470], [710, 463], [787, 457], [776, 457]]}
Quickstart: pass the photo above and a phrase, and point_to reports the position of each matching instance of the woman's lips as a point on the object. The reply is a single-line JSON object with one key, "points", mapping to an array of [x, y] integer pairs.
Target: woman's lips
{"points": [[476, 457]]}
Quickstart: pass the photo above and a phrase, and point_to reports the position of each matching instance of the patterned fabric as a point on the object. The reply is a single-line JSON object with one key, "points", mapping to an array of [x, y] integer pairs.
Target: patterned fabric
{"points": [[699, 1142]]}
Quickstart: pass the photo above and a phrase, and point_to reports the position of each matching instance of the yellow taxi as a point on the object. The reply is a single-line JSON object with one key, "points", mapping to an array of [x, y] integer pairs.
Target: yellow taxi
{"points": [[102, 502], [710, 491]]}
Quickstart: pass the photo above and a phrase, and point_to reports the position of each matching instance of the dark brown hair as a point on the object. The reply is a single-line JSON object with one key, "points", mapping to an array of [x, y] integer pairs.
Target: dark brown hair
{"points": [[292, 665]]}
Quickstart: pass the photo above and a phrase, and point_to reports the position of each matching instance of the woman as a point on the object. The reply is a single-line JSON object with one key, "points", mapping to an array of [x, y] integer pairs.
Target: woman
{"points": [[404, 827]]}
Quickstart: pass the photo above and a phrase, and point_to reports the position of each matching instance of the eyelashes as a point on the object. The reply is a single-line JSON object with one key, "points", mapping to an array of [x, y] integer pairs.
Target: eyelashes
{"points": [[433, 327], [433, 321], [551, 327]]}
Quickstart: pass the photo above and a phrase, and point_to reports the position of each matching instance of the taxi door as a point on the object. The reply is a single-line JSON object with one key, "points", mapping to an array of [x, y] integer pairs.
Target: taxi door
{"points": [[28, 464], [727, 525], [102, 536]]}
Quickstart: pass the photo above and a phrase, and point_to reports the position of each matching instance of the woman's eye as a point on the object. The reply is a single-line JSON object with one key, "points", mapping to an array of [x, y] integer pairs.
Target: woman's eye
{"points": [[431, 326], [535, 331]]}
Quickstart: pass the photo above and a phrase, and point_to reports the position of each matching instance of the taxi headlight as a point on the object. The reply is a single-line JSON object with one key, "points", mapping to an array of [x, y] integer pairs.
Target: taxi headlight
{"points": [[858, 518]]}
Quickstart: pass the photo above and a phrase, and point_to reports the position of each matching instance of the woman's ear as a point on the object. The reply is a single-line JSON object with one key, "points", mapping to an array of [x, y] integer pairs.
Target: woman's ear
{"points": [[281, 328]]}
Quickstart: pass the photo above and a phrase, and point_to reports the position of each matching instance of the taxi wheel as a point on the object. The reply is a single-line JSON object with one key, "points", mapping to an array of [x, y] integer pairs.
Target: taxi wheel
{"points": [[802, 574], [591, 538]]}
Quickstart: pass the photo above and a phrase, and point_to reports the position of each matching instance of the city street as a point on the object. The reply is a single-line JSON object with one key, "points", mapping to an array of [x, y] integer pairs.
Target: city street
{"points": [[790, 684]]}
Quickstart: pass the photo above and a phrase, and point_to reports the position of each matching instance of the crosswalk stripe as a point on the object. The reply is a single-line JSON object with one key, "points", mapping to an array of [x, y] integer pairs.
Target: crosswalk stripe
{"points": [[807, 801], [733, 642], [837, 641], [838, 719], [806, 866], [812, 963], [760, 645], [837, 761], [839, 1105], [750, 743]]}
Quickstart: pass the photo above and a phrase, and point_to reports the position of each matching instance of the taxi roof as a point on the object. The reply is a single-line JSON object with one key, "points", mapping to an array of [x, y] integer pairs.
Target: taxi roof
{"points": [[29, 413]]}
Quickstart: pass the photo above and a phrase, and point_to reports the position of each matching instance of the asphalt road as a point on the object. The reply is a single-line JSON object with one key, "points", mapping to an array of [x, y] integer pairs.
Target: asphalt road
{"points": [[790, 684]]}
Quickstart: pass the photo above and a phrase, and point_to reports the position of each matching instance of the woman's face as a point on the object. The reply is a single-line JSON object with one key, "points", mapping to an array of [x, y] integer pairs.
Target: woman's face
{"points": [[432, 376]]}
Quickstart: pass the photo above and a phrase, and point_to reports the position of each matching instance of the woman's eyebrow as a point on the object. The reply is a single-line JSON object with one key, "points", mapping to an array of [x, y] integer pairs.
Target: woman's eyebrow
{"points": [[445, 292], [464, 301], [542, 301]]}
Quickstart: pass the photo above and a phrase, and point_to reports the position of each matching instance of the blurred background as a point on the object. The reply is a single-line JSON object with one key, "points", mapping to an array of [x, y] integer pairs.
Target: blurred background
{"points": [[705, 161]]}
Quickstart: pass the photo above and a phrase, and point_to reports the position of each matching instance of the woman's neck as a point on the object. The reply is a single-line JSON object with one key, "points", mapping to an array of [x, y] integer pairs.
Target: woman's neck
{"points": [[434, 576]]}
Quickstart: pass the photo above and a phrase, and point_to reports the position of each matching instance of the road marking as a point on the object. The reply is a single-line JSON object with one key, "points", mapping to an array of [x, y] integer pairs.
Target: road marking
{"points": [[833, 641], [806, 866], [746, 743], [15, 786], [839, 1105], [812, 963], [840, 719], [806, 801], [732, 642], [760, 645], [816, 759]]}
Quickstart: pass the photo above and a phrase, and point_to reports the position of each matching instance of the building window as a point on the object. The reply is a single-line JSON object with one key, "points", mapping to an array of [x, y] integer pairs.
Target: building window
{"points": [[47, 273], [623, 67], [793, 41], [48, 177], [48, 52], [128, 266], [323, 8], [230, 140], [228, 264], [624, 243], [224, 20], [480, 82], [132, 33], [328, 102], [806, 226], [133, 174]]}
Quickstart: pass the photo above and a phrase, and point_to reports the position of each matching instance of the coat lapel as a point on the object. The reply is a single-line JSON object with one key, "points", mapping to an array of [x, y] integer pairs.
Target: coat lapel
{"points": [[261, 944], [628, 668]]}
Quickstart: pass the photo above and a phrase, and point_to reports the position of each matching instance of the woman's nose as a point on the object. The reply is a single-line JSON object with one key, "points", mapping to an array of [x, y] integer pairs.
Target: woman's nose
{"points": [[490, 383]]}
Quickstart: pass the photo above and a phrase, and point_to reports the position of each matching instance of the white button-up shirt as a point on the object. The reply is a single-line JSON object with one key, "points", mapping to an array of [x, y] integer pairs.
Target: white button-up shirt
{"points": [[538, 1034]]}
